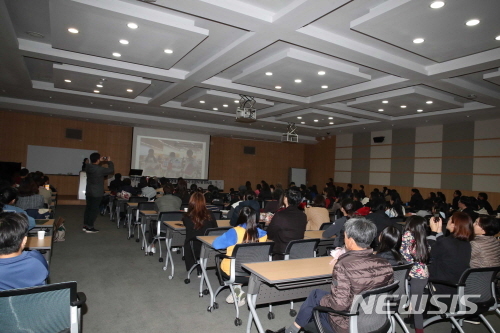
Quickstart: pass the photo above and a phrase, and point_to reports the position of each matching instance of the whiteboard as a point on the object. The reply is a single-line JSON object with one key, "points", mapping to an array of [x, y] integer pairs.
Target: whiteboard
{"points": [[56, 161], [298, 176]]}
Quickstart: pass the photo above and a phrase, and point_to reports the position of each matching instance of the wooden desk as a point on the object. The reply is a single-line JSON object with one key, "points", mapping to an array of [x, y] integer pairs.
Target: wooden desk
{"points": [[34, 243], [44, 224], [223, 223], [277, 281], [316, 234]]}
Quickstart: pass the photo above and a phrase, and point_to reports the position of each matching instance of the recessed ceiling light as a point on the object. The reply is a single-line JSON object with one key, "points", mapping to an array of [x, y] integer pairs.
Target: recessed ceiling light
{"points": [[98, 85], [69, 81], [96, 91], [202, 102], [324, 87], [298, 80], [321, 73], [236, 101], [277, 87], [269, 73], [331, 123], [124, 41], [316, 120], [129, 90], [497, 37], [385, 102], [381, 110], [403, 106], [132, 25], [302, 122], [73, 30], [168, 51], [429, 102], [437, 4], [472, 22], [225, 105], [418, 40], [330, 118], [116, 54], [420, 110], [215, 109], [299, 117]]}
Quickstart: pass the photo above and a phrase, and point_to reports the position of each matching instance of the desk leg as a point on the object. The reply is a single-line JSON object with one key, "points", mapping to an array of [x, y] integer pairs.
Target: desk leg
{"points": [[118, 216], [143, 231], [168, 251], [253, 291], [129, 222]]}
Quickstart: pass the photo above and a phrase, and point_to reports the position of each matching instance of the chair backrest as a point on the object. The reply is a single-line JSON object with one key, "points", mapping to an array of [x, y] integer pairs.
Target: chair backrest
{"points": [[145, 205], [369, 320], [218, 215], [325, 226], [184, 206], [170, 216], [301, 248], [42, 309], [137, 199], [250, 252], [478, 281], [216, 231], [401, 273]]}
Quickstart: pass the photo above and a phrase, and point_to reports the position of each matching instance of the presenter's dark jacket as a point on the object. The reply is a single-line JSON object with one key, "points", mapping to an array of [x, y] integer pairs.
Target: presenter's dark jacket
{"points": [[95, 178], [287, 225]]}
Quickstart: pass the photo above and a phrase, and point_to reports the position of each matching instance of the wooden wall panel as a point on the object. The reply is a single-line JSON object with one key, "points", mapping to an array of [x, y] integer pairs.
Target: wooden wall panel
{"points": [[271, 161], [18, 130], [320, 162]]}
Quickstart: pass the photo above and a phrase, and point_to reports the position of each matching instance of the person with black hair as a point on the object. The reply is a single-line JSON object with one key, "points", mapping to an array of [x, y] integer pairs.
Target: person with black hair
{"points": [[389, 241], [18, 268], [116, 183], [356, 199], [8, 197], [485, 246], [337, 228], [415, 249], [245, 231], [84, 163], [248, 201], [168, 202], [127, 187], [379, 217], [95, 189], [396, 208], [416, 201], [287, 224], [348, 191], [362, 191], [482, 202], [456, 198], [265, 192], [150, 190], [466, 205], [29, 197]]}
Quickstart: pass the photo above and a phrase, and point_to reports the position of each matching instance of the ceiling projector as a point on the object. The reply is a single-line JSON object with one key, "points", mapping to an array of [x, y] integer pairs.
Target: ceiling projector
{"points": [[245, 112]]}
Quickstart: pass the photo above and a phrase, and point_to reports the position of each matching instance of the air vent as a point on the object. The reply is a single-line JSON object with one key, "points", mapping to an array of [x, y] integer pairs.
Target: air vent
{"points": [[72, 133], [249, 150]]}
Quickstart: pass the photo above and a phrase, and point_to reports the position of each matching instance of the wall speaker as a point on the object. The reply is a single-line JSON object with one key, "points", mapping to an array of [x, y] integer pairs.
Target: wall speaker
{"points": [[378, 139], [72, 133], [249, 150]]}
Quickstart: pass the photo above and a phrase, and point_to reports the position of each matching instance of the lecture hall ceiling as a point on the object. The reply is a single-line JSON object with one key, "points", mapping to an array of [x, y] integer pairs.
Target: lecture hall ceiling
{"points": [[329, 66]]}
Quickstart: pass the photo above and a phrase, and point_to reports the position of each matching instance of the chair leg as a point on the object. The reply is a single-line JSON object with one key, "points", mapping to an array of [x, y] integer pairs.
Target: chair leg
{"points": [[487, 323], [401, 323], [456, 324]]}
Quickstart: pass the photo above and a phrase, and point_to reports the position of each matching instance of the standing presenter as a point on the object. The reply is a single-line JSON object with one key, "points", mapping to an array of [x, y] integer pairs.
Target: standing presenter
{"points": [[95, 188]]}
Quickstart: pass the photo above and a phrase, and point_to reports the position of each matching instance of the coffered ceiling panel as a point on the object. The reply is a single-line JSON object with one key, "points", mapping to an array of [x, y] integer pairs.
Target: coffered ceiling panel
{"points": [[220, 101], [493, 77], [314, 118]]}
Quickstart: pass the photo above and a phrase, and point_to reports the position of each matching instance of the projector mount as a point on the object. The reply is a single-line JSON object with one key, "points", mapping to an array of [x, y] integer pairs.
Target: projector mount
{"points": [[246, 112], [290, 135]]}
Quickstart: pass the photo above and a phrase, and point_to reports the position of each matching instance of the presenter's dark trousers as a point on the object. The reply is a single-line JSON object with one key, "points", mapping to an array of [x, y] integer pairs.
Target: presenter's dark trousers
{"points": [[91, 211]]}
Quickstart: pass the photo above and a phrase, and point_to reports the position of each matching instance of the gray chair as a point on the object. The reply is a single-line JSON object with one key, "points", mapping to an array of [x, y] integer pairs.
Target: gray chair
{"points": [[474, 281], [208, 232], [325, 225], [242, 254], [401, 274], [43, 309], [361, 320], [297, 249]]}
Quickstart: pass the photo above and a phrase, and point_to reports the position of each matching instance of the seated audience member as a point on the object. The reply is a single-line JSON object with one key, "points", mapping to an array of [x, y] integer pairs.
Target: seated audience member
{"points": [[456, 198], [272, 206], [355, 271], [249, 201], [287, 224], [416, 201], [182, 192], [356, 198], [8, 196], [317, 214], [451, 255], [150, 190], [379, 217], [168, 202], [47, 182], [389, 246], [482, 202], [246, 231], [337, 228], [330, 197], [116, 183], [18, 268], [127, 187], [197, 220], [265, 192], [466, 205], [28, 195], [485, 247], [396, 208], [426, 209], [258, 187], [45, 193]]}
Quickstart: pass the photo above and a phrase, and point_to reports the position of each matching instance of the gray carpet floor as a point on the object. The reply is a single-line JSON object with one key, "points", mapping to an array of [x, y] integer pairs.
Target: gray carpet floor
{"points": [[129, 292]]}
